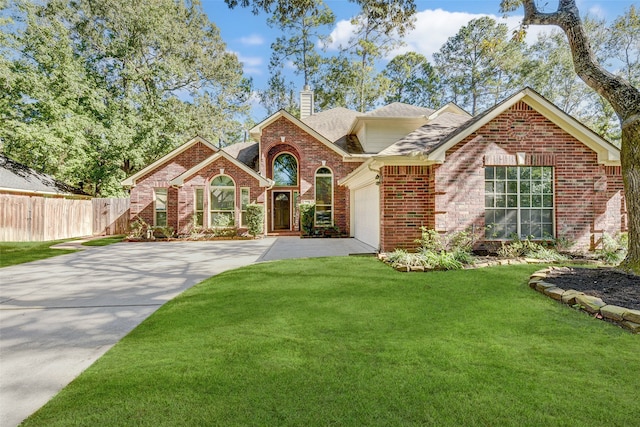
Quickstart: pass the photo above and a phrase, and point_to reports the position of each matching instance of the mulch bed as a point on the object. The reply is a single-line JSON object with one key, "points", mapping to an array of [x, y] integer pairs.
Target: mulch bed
{"points": [[613, 286]]}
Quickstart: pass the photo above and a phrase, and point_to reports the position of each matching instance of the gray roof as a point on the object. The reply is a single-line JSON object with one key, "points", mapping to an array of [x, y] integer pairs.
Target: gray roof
{"points": [[399, 109], [427, 137], [16, 176], [245, 152], [333, 124]]}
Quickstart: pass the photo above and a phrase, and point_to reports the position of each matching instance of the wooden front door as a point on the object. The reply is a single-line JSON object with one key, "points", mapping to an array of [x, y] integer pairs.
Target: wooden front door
{"points": [[282, 210]]}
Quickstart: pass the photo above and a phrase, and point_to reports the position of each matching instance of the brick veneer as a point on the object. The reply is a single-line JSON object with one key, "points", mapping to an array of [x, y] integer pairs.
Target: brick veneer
{"points": [[589, 197], [310, 154], [143, 192]]}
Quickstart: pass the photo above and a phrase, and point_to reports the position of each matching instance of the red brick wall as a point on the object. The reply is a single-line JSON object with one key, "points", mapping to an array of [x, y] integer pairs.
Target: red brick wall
{"points": [[142, 193], [588, 196], [407, 203], [310, 154]]}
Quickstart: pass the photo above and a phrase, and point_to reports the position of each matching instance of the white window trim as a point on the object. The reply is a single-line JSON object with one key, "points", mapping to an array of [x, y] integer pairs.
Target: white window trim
{"points": [[243, 212], [195, 204], [155, 206], [315, 194], [235, 201], [519, 208]]}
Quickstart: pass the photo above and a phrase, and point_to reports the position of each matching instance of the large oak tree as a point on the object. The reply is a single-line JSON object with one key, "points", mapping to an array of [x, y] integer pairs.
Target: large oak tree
{"points": [[623, 96]]}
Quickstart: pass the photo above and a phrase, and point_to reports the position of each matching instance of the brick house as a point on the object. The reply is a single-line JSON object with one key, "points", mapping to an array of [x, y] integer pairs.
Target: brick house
{"points": [[523, 168]]}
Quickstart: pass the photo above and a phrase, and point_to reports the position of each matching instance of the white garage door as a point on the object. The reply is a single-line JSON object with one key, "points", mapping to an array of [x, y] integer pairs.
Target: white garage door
{"points": [[366, 218]]}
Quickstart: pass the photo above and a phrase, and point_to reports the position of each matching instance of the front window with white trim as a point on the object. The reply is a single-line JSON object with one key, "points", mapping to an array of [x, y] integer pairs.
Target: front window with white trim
{"points": [[245, 199], [199, 207], [519, 202], [160, 207], [324, 197], [223, 201]]}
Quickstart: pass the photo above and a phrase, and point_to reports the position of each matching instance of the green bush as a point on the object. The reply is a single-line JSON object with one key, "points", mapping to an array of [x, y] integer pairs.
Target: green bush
{"points": [[614, 248], [307, 212], [255, 218]]}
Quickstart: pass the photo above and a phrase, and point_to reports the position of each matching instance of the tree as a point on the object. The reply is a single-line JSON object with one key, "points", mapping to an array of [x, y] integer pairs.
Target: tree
{"points": [[621, 94], [412, 80], [301, 28], [100, 88], [279, 95], [624, 44], [478, 65]]}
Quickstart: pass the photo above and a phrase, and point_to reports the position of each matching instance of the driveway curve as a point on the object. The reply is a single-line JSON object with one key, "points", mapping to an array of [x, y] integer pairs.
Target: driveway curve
{"points": [[59, 315]]}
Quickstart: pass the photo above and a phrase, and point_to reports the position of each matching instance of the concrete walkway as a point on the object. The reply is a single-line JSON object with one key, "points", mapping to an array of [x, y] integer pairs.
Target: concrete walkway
{"points": [[59, 315]]}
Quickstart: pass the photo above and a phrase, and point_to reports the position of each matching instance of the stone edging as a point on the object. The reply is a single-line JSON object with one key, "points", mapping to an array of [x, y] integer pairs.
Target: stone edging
{"points": [[625, 317]]}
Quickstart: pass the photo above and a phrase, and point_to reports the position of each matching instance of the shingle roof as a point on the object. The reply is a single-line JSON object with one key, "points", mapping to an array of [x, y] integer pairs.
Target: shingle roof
{"points": [[16, 176], [424, 139], [245, 152], [399, 109], [333, 124]]}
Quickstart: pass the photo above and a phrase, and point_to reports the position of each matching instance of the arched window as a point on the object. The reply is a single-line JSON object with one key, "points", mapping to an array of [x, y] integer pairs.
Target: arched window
{"points": [[223, 202], [324, 197], [285, 170]]}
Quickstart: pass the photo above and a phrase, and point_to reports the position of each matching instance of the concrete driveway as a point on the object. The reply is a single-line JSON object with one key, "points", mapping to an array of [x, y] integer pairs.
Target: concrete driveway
{"points": [[59, 315]]}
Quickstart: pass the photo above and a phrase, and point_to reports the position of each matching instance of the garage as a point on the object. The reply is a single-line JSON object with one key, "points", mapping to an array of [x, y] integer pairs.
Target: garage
{"points": [[366, 214]]}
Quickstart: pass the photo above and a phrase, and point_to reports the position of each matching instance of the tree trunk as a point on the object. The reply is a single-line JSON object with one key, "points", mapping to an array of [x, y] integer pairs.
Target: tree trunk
{"points": [[624, 98]]}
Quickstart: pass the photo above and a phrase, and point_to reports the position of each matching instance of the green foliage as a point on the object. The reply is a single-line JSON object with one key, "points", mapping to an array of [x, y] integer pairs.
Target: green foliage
{"points": [[437, 251], [412, 80], [96, 90], [307, 214], [138, 228], [613, 248], [255, 218], [105, 241], [528, 248]]}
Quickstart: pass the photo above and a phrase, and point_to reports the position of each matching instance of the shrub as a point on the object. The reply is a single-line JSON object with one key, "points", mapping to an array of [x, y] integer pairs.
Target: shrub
{"points": [[307, 212], [614, 249], [255, 218], [528, 248]]}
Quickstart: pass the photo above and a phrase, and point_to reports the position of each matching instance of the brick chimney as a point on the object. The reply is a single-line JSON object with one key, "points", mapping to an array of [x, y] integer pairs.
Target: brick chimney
{"points": [[306, 102]]}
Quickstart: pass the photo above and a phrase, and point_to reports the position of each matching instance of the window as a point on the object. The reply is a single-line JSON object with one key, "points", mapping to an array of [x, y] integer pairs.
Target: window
{"points": [[285, 170], [519, 202], [324, 197], [160, 207], [223, 202], [199, 207], [244, 201]]}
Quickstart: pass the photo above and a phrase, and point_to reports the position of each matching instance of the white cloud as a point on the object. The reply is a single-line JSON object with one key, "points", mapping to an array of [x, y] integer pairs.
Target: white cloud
{"points": [[251, 65], [252, 40], [432, 29]]}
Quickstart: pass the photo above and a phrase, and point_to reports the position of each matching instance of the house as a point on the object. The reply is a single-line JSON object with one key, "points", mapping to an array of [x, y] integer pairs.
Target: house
{"points": [[19, 179], [521, 168]]}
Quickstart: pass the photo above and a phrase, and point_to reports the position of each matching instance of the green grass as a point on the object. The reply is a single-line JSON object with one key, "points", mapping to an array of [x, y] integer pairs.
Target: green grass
{"points": [[351, 342], [104, 241], [12, 253]]}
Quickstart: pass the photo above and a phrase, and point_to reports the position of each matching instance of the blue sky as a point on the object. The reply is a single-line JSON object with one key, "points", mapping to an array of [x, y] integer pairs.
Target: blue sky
{"points": [[250, 37]]}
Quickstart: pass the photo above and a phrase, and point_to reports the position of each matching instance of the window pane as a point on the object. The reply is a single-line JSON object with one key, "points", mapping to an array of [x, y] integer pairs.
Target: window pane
{"points": [[536, 201], [161, 199], [323, 190], [222, 219], [222, 199], [488, 201], [161, 219], [500, 173], [525, 187], [222, 181], [525, 173], [512, 187], [199, 199], [244, 198], [489, 187], [489, 173], [285, 170], [547, 201], [323, 216], [512, 173], [512, 201]]}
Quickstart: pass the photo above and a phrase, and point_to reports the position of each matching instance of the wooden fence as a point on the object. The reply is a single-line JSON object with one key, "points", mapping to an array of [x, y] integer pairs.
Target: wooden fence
{"points": [[32, 219]]}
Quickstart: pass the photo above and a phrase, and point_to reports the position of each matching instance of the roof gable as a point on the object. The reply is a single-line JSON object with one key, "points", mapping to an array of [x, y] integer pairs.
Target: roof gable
{"points": [[608, 154], [179, 180], [256, 131], [131, 181]]}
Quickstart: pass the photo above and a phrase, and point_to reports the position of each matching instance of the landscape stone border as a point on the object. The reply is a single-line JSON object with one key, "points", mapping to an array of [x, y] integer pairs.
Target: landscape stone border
{"points": [[625, 317]]}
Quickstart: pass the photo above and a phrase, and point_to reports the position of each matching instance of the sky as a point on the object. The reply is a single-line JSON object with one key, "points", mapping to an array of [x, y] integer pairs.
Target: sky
{"points": [[250, 38]]}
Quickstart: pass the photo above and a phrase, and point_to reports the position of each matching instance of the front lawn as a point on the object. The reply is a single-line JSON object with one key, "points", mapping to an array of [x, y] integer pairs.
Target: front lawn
{"points": [[12, 253], [351, 342]]}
